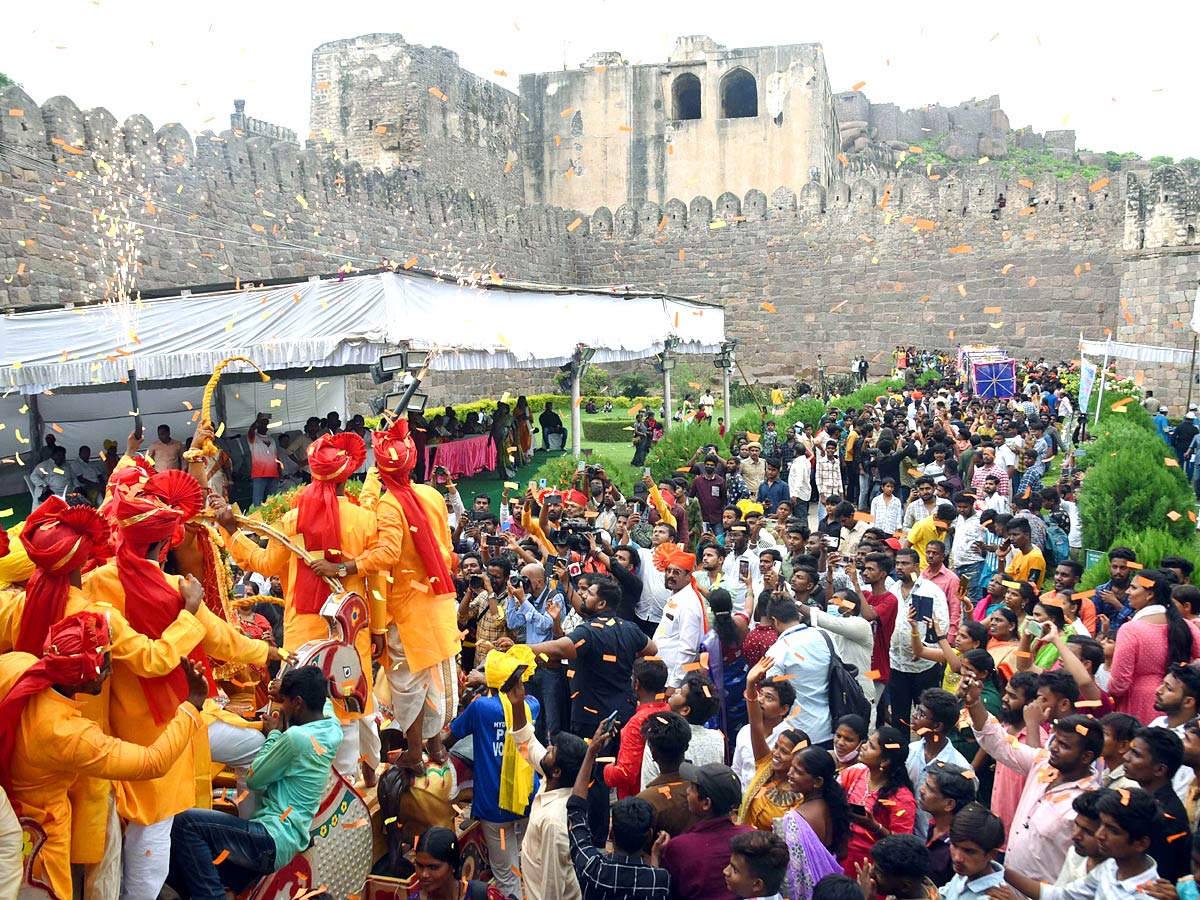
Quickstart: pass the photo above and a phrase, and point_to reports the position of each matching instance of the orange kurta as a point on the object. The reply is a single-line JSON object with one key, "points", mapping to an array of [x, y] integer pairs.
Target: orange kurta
{"points": [[185, 785], [425, 618], [358, 535], [56, 743], [151, 658]]}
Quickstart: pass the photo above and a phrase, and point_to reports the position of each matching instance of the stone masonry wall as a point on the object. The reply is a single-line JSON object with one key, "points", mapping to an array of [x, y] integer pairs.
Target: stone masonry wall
{"points": [[856, 268]]}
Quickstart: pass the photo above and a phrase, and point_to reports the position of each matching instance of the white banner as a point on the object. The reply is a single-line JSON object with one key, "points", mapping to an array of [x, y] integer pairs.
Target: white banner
{"points": [[1087, 380]]}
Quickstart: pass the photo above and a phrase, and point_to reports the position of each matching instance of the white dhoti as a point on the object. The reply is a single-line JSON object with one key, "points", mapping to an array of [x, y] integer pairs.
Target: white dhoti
{"points": [[147, 859], [422, 693]]}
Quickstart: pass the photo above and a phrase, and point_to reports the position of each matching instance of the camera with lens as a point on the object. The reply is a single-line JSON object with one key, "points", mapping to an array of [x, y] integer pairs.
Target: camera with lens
{"points": [[573, 534]]}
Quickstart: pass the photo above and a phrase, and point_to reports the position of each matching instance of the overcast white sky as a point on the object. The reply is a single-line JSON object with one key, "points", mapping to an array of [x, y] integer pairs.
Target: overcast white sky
{"points": [[1121, 83]]}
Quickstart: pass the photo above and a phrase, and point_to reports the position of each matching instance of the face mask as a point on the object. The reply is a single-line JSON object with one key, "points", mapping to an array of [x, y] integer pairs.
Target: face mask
{"points": [[708, 470]]}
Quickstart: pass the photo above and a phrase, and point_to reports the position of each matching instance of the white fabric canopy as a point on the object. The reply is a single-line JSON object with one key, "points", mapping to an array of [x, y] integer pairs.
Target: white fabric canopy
{"points": [[1140, 352], [332, 324]]}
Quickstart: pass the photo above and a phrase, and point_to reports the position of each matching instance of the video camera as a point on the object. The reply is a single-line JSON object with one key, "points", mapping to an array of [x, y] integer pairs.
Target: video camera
{"points": [[573, 534]]}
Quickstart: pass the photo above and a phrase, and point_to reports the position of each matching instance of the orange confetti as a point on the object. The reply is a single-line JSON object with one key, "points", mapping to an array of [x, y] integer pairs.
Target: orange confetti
{"points": [[1097, 185], [962, 248], [1032, 280], [1128, 317], [1008, 268], [624, 128], [1171, 461], [924, 299], [609, 657], [1025, 182], [508, 167], [221, 857], [989, 310], [859, 86], [874, 675], [841, 158], [410, 263], [500, 72], [840, 305], [1028, 211], [962, 290], [578, 221], [1174, 516], [323, 85], [682, 254], [566, 112], [765, 305], [283, 815], [320, 750], [925, 224], [16, 113]]}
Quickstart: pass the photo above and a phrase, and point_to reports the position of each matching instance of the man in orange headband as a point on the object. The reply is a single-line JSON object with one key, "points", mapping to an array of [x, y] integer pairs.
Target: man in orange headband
{"points": [[149, 512], [413, 546], [684, 622], [45, 741], [339, 531]]}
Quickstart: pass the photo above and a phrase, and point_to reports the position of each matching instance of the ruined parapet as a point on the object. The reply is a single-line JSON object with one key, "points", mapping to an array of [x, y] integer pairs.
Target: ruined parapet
{"points": [[1162, 210]]}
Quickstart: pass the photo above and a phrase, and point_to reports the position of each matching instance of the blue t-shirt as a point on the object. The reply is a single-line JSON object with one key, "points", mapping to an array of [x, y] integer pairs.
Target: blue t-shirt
{"points": [[483, 719]]}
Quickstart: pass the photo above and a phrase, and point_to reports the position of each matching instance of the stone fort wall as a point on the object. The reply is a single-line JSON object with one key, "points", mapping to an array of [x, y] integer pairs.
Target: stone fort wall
{"points": [[857, 267]]}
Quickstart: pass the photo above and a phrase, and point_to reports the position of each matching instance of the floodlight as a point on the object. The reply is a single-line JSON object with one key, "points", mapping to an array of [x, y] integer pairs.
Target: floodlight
{"points": [[416, 360], [668, 363], [722, 362], [378, 404], [386, 366], [586, 353]]}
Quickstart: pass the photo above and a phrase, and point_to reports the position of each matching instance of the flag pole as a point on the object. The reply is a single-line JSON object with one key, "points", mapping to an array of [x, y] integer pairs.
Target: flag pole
{"points": [[1103, 375]]}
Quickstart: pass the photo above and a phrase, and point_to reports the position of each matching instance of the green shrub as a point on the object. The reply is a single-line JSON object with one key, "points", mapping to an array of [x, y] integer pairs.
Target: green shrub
{"points": [[633, 384], [599, 431], [1134, 490], [1152, 546], [1109, 436], [676, 448], [751, 422], [595, 381], [807, 411], [868, 393], [559, 471]]}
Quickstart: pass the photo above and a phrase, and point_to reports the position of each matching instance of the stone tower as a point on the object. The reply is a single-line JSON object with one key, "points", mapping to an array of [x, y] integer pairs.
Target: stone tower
{"points": [[386, 104], [707, 121]]}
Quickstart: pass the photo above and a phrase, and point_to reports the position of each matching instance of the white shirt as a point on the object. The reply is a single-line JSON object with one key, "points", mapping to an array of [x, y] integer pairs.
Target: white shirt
{"points": [[852, 639], [706, 746], [800, 478], [654, 588], [999, 503], [900, 649], [679, 633], [1102, 884], [1075, 537], [546, 863], [1006, 457], [743, 752], [966, 533], [888, 516]]}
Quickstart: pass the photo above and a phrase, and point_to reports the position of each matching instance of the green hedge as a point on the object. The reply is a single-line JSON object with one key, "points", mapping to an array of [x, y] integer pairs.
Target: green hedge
{"points": [[537, 402], [1129, 486], [1152, 546], [600, 431]]}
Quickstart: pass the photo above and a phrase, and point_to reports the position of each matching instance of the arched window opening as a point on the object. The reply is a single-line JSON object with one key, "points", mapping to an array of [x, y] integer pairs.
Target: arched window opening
{"points": [[685, 97], [739, 95]]}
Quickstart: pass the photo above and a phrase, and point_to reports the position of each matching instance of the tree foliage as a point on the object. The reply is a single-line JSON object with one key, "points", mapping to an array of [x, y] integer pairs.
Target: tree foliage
{"points": [[677, 446], [1152, 546]]}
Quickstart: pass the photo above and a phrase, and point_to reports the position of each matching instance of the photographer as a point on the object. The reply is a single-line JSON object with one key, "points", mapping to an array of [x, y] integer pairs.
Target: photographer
{"points": [[531, 608], [480, 606]]}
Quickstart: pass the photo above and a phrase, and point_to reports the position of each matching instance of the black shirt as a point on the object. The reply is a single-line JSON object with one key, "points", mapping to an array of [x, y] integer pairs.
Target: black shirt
{"points": [[602, 672], [1172, 853], [609, 876]]}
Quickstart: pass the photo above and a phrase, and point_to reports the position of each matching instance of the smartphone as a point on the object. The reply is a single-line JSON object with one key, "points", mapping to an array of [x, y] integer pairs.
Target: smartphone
{"points": [[777, 567], [924, 607], [574, 569], [857, 809], [610, 720], [830, 541], [581, 466], [646, 471], [1033, 628], [744, 568], [495, 541], [542, 483]]}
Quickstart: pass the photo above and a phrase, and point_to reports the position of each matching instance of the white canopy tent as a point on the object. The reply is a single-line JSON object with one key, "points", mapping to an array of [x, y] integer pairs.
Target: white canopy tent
{"points": [[63, 369]]}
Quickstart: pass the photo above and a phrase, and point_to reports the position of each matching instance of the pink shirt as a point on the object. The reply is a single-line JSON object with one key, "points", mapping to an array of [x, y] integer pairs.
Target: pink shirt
{"points": [[1041, 832], [948, 582], [264, 460]]}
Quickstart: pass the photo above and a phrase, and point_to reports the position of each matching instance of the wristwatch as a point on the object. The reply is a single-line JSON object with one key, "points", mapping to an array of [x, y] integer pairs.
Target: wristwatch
{"points": [[342, 571]]}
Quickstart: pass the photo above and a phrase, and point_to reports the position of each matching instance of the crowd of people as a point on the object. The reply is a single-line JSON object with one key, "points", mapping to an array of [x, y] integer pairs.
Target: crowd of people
{"points": [[845, 662]]}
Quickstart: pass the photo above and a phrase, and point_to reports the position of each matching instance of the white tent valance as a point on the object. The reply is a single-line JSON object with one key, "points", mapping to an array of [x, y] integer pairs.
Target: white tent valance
{"points": [[1144, 353], [333, 324]]}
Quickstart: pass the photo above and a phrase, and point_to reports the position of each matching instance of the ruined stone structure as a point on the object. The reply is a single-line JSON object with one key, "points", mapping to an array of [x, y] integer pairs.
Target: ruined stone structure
{"points": [[709, 120], [849, 267]]}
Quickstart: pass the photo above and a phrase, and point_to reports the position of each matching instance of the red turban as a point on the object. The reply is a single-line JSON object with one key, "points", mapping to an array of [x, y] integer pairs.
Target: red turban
{"points": [[682, 560], [72, 656], [59, 540], [395, 456], [145, 515], [332, 459], [125, 478], [577, 497]]}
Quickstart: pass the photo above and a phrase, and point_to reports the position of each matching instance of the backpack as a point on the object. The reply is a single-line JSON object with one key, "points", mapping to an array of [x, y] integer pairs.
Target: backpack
{"points": [[846, 695], [1058, 545]]}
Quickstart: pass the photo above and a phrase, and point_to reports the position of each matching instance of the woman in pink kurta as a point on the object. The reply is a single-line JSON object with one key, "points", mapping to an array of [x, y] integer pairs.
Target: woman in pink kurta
{"points": [[1156, 638]]}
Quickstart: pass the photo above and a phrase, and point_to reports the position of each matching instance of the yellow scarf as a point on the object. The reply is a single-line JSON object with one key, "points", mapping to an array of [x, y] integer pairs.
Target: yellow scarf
{"points": [[516, 775]]}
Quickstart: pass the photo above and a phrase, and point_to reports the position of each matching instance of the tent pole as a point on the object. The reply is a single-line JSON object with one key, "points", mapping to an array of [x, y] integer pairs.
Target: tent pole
{"points": [[1100, 396], [131, 377], [666, 423], [576, 419], [725, 395], [1192, 371]]}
